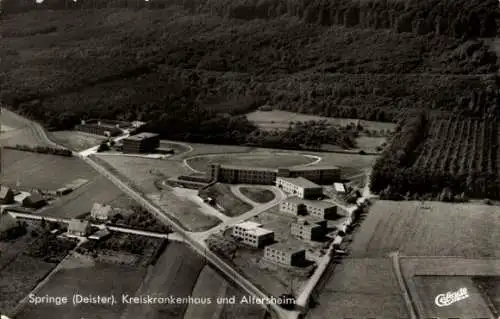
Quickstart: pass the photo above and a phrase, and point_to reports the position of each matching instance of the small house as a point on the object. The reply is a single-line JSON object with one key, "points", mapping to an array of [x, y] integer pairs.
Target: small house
{"points": [[101, 212], [34, 200], [100, 234], [78, 227]]}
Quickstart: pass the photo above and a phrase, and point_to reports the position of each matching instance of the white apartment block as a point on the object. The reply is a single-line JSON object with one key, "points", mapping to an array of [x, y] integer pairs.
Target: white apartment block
{"points": [[285, 254], [299, 187], [309, 228], [320, 209], [251, 233]]}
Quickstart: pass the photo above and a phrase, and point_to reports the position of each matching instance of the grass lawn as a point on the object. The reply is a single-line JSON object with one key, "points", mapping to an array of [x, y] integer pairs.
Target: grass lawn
{"points": [[85, 277], [210, 285], [471, 230], [491, 287], [188, 213], [175, 274], [281, 119], [258, 159], [360, 288], [221, 193], [144, 171], [43, 171], [257, 194], [75, 140]]}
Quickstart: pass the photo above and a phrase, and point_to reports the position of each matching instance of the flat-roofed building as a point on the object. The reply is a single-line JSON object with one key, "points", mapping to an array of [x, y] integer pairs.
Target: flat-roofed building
{"points": [[297, 206], [285, 254], [299, 187], [309, 228], [141, 143], [99, 128], [251, 233], [257, 175]]}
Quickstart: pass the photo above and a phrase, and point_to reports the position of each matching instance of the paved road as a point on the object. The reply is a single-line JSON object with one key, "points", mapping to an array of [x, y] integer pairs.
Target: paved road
{"points": [[196, 243]]}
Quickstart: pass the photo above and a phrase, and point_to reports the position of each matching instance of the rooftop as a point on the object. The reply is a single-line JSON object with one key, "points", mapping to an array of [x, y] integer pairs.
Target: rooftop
{"points": [[259, 231], [141, 136], [314, 203], [311, 220], [252, 168], [313, 168], [78, 225], [301, 182], [4, 191], [286, 247], [249, 225], [339, 187], [35, 198]]}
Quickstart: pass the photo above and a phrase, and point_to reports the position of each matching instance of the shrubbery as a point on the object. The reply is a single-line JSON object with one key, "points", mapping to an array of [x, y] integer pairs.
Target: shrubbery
{"points": [[41, 149]]}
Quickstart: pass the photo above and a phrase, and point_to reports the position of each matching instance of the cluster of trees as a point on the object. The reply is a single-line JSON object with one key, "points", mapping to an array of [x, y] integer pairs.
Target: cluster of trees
{"points": [[141, 219], [50, 247], [445, 159], [310, 135], [41, 149], [15, 232]]}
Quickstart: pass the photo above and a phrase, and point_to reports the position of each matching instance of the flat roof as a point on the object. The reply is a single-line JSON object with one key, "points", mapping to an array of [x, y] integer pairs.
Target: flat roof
{"points": [[314, 203], [260, 231], [308, 219], [141, 136], [249, 168], [339, 187], [313, 168], [286, 247], [300, 181], [248, 225]]}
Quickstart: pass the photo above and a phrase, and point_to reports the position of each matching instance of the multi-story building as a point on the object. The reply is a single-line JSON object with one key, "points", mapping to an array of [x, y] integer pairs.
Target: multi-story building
{"points": [[309, 228], [99, 128], [316, 208], [257, 175], [299, 186], [251, 233], [285, 254], [141, 143]]}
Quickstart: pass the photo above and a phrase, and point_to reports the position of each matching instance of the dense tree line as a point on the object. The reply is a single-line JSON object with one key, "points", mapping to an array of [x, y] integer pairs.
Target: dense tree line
{"points": [[458, 18], [49, 247], [141, 219], [41, 149]]}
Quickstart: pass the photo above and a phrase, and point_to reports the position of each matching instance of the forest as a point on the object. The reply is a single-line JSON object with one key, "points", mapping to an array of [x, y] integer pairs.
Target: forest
{"points": [[457, 18], [193, 75]]}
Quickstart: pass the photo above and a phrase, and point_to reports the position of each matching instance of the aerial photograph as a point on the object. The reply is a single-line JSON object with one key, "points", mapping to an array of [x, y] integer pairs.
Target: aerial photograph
{"points": [[249, 159]]}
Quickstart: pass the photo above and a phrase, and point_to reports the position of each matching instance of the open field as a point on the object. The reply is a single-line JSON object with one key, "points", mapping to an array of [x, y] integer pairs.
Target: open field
{"points": [[43, 171], [98, 190], [261, 159], [18, 278], [143, 171], [491, 287], [416, 229], [85, 277], [281, 119], [258, 195], [223, 196], [360, 288], [76, 140], [429, 287], [210, 285], [240, 310], [187, 213], [18, 130], [175, 273]]}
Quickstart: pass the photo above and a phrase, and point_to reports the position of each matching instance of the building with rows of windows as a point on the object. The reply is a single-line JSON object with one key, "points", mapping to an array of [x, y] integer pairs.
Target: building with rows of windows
{"points": [[285, 254], [309, 228], [297, 206], [299, 186], [141, 143], [235, 174], [251, 233]]}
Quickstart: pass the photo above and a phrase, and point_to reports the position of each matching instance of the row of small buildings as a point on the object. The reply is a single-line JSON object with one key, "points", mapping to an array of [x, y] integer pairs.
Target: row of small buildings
{"points": [[32, 200]]}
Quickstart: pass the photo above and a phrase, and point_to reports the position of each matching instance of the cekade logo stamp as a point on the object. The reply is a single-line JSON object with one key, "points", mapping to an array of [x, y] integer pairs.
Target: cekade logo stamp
{"points": [[449, 298]]}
